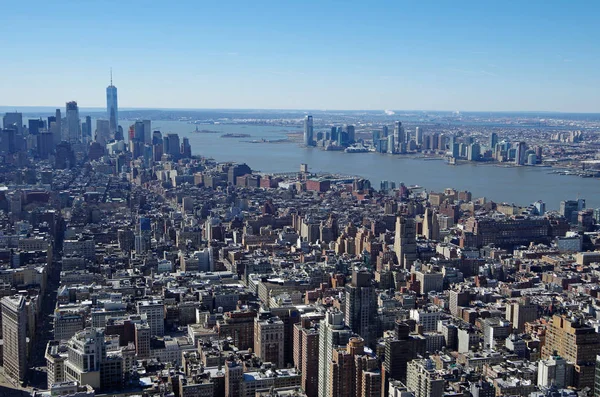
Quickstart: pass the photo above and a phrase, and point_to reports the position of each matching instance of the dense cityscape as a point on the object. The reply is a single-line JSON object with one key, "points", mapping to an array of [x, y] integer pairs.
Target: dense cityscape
{"points": [[133, 267]]}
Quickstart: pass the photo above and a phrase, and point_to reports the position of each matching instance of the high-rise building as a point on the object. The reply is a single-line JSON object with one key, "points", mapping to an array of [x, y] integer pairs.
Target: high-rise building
{"points": [[555, 371], [45, 144], [348, 367], [86, 131], [569, 209], [493, 141], [8, 140], [332, 333], [35, 126], [73, 130], [399, 134], [14, 333], [102, 131], [423, 380], [112, 107], [576, 342], [398, 352], [520, 156], [171, 146], [391, 144], [57, 131], [87, 351], [351, 131], [361, 306], [419, 135], [308, 131], [405, 241], [186, 149], [269, 340], [519, 313], [13, 119], [155, 312]]}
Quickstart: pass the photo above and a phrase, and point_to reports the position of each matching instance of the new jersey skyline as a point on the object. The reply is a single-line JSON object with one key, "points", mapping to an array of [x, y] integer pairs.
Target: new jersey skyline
{"points": [[464, 56]]}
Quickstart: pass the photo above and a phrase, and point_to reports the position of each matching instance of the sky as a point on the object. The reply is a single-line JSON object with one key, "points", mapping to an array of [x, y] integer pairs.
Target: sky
{"points": [[398, 55]]}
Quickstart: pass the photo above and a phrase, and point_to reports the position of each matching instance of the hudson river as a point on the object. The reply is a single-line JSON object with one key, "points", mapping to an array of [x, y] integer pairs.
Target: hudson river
{"points": [[519, 185]]}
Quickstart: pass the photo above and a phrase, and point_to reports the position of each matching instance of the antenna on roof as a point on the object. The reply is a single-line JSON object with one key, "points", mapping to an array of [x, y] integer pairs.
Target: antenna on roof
{"points": [[111, 76]]}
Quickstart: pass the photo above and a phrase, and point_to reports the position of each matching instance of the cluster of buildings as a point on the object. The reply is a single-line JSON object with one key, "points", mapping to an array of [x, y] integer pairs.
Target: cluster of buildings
{"points": [[170, 274]]}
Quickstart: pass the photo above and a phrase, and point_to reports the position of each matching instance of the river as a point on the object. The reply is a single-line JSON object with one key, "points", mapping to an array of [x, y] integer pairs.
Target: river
{"points": [[518, 185]]}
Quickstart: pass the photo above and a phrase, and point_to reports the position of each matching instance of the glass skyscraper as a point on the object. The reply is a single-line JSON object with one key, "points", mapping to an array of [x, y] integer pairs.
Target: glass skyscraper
{"points": [[112, 108]]}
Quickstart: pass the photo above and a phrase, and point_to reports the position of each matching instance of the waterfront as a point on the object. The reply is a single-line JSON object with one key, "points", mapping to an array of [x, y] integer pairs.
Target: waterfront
{"points": [[519, 185]]}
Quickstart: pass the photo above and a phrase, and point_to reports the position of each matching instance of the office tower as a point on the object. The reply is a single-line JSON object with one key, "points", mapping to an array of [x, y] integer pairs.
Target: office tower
{"points": [[35, 126], [8, 140], [391, 144], [361, 306], [521, 148], [155, 312], [423, 380], [351, 131], [473, 152], [576, 342], [399, 350], [308, 131], [332, 333], [171, 146], [14, 331], [13, 119], [87, 351], [186, 149], [569, 209], [399, 133], [493, 141], [86, 130], [45, 144], [405, 243], [519, 313], [419, 135], [112, 107], [147, 131], [269, 340], [57, 131], [139, 131], [102, 131], [73, 130], [384, 131]]}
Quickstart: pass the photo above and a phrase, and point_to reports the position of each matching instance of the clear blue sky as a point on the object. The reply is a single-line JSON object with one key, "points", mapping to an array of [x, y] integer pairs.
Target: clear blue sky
{"points": [[432, 55]]}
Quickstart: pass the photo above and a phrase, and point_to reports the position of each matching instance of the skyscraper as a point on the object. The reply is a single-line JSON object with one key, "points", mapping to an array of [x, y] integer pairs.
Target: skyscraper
{"points": [[332, 333], [520, 153], [361, 305], [14, 330], [308, 131], [493, 141], [57, 131], [399, 133], [419, 135], [405, 244], [112, 108], [73, 131], [13, 120], [102, 132]]}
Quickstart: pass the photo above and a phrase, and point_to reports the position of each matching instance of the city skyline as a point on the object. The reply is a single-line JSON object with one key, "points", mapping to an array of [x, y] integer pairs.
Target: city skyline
{"points": [[471, 57]]}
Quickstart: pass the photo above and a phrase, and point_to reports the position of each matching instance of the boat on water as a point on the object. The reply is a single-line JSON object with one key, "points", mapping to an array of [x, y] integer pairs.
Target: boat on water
{"points": [[356, 149]]}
